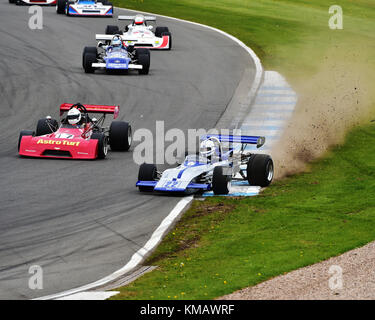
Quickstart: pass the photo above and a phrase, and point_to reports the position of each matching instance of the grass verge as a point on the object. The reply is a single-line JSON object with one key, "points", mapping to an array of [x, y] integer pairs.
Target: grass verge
{"points": [[222, 245]]}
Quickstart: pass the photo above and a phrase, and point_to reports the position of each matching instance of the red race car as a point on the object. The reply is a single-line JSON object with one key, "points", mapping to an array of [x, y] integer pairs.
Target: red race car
{"points": [[78, 136]]}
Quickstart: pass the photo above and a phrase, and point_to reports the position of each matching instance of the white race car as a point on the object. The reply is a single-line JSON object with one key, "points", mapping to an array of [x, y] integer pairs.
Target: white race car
{"points": [[139, 29], [89, 8], [34, 2]]}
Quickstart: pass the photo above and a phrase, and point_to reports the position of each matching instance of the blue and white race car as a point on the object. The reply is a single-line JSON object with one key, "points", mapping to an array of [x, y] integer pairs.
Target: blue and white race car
{"points": [[116, 56], [212, 168], [89, 8]]}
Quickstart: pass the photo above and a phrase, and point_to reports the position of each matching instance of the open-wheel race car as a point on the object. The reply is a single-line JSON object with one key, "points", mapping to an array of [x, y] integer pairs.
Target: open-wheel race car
{"points": [[78, 136], [34, 2], [82, 8], [212, 169], [142, 32], [112, 54]]}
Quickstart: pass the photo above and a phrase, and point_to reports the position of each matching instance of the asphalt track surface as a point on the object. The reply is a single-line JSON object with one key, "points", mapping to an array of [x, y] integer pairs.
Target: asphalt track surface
{"points": [[82, 220]]}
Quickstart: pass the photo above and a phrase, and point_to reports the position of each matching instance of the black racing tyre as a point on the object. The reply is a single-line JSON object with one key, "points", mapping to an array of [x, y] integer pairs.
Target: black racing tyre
{"points": [[102, 144], [159, 31], [22, 134], [92, 50], [46, 126], [88, 59], [140, 51], [170, 39], [220, 181], [67, 7], [112, 30], [60, 6], [147, 172], [260, 170], [144, 60], [120, 136]]}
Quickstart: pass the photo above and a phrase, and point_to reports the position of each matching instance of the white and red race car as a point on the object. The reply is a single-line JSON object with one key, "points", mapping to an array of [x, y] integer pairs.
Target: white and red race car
{"points": [[34, 2], [101, 8], [139, 29]]}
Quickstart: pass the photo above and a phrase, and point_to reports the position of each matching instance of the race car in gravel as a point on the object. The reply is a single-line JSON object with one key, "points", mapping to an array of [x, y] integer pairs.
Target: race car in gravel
{"points": [[78, 136], [34, 2], [112, 54], [212, 168], [145, 37], [92, 8]]}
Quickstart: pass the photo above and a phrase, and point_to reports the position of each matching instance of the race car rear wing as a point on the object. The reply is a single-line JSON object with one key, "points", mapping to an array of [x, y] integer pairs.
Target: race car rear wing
{"points": [[93, 109], [258, 140], [108, 37], [147, 18]]}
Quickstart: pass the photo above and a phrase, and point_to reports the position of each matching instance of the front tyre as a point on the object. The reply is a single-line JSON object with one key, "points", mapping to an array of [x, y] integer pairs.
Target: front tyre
{"points": [[169, 35], [22, 134], [260, 170], [120, 136], [160, 30], [102, 144], [143, 57], [147, 172], [46, 126], [60, 6], [220, 181], [88, 59]]}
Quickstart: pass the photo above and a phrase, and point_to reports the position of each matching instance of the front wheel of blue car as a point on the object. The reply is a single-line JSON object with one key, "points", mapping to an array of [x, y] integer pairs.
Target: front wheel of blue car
{"points": [[221, 180], [147, 172], [260, 170]]}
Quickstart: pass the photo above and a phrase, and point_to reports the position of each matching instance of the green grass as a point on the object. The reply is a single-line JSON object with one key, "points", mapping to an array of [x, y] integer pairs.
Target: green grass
{"points": [[222, 245]]}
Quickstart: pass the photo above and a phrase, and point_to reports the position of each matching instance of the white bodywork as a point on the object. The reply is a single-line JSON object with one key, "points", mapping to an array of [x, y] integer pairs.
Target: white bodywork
{"points": [[89, 8]]}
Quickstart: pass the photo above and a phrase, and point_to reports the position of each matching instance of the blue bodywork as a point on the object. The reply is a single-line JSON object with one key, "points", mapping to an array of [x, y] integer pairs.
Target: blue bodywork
{"points": [[117, 59]]}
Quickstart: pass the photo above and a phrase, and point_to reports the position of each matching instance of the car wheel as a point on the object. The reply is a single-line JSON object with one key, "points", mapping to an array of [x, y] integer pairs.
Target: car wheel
{"points": [[160, 30], [220, 181], [88, 59], [102, 144], [112, 30], [22, 134], [147, 172], [92, 50], [120, 136], [170, 39], [46, 126], [260, 170], [143, 56], [60, 6]]}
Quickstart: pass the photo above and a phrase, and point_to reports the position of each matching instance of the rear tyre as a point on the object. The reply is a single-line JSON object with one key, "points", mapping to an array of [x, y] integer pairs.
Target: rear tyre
{"points": [[112, 30], [159, 31], [220, 181], [147, 172], [120, 136], [170, 39], [102, 144], [60, 6], [88, 59], [22, 134], [260, 170], [46, 126]]}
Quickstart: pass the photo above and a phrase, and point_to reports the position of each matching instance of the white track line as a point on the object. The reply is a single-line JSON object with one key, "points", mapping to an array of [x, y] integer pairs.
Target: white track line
{"points": [[166, 223]]}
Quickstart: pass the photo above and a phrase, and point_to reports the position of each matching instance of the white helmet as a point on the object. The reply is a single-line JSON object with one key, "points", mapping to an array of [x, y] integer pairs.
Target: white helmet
{"points": [[74, 116], [207, 148], [116, 41], [139, 19]]}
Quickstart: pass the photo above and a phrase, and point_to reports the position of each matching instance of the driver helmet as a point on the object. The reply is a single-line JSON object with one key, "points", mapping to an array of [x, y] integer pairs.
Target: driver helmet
{"points": [[116, 42], [207, 148], [139, 20], [74, 116]]}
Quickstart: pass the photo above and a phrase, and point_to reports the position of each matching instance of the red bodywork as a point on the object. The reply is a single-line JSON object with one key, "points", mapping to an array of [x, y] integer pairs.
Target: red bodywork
{"points": [[73, 143]]}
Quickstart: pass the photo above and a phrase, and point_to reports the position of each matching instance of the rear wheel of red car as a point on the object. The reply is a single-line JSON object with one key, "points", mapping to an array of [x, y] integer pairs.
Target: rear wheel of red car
{"points": [[22, 134], [120, 136], [102, 144], [147, 172], [46, 126]]}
